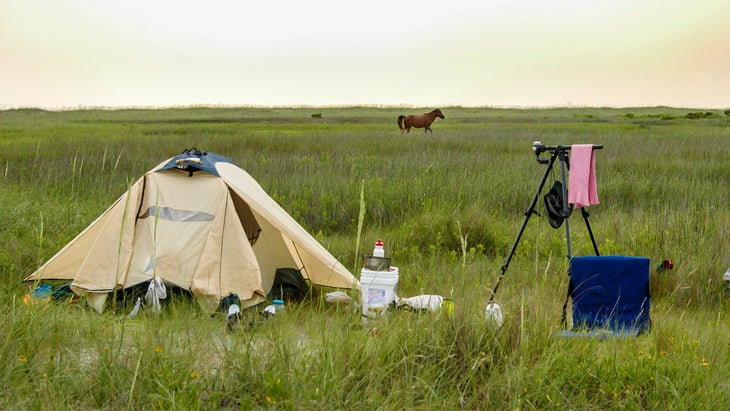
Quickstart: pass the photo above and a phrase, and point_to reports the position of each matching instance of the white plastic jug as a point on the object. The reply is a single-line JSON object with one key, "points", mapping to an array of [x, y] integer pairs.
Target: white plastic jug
{"points": [[379, 251]]}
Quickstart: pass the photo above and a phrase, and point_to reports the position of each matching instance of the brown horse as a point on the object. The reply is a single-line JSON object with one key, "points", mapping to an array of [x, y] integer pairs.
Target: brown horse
{"points": [[423, 121]]}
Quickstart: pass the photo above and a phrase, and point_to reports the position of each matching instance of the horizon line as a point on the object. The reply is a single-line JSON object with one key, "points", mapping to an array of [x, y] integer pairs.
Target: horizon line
{"points": [[82, 107]]}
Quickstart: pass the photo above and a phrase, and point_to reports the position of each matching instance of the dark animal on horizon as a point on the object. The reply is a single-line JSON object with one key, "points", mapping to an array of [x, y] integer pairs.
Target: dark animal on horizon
{"points": [[423, 121]]}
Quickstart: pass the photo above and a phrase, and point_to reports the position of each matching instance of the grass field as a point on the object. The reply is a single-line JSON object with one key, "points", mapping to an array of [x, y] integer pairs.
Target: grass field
{"points": [[448, 206]]}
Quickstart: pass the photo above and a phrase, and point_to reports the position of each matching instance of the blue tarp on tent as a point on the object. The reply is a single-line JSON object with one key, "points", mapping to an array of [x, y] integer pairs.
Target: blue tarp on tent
{"points": [[193, 160]]}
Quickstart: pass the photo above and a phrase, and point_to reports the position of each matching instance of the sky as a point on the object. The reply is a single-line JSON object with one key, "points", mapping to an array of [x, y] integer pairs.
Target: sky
{"points": [[61, 54]]}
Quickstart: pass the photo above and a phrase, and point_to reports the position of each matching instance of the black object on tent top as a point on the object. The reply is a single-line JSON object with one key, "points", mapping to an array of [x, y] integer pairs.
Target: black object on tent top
{"points": [[192, 160]]}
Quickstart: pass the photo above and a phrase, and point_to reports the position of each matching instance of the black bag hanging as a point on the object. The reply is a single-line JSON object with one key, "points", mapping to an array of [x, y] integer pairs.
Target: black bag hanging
{"points": [[554, 205]]}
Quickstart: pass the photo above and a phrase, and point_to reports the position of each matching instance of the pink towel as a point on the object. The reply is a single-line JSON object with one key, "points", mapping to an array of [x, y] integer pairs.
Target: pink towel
{"points": [[582, 189]]}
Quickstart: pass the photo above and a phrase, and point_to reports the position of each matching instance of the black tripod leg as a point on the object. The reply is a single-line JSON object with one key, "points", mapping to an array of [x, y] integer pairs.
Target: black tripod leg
{"points": [[530, 211], [585, 215]]}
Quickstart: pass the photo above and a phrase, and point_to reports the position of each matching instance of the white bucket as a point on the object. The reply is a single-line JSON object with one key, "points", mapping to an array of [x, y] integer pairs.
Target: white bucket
{"points": [[378, 290]]}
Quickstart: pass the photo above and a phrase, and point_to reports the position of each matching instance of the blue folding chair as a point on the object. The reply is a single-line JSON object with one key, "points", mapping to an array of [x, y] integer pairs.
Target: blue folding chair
{"points": [[610, 293]]}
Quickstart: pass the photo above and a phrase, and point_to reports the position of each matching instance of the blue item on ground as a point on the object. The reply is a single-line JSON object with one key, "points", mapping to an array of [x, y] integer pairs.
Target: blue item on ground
{"points": [[611, 292]]}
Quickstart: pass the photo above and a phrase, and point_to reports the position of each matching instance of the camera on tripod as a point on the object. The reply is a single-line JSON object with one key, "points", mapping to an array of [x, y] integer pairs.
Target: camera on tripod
{"points": [[538, 147]]}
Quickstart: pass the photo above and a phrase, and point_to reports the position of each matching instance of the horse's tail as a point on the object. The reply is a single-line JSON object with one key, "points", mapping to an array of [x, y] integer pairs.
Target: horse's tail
{"points": [[402, 122]]}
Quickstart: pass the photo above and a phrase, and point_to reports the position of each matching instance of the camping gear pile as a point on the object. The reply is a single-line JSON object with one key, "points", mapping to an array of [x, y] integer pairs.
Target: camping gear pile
{"points": [[378, 283], [200, 223]]}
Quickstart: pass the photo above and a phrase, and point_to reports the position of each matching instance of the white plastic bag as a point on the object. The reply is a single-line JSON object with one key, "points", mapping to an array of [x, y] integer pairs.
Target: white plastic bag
{"points": [[494, 314], [135, 309], [155, 292], [337, 297], [422, 302]]}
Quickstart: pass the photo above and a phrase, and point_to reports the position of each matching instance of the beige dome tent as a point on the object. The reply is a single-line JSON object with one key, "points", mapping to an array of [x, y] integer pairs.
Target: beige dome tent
{"points": [[199, 222]]}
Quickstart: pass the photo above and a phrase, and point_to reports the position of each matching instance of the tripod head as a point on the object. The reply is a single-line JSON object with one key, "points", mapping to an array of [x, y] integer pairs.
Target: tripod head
{"points": [[538, 147]]}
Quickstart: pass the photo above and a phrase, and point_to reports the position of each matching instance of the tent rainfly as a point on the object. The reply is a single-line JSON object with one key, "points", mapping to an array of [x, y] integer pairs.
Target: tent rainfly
{"points": [[199, 222]]}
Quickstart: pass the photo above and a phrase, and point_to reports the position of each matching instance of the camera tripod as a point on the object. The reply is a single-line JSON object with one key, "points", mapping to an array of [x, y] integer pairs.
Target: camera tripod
{"points": [[556, 153]]}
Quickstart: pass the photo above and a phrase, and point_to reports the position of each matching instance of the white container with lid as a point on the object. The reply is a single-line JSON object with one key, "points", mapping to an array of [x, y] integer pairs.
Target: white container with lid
{"points": [[379, 251]]}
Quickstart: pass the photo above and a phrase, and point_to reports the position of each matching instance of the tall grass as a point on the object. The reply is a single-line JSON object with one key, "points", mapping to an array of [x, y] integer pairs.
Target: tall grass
{"points": [[447, 204]]}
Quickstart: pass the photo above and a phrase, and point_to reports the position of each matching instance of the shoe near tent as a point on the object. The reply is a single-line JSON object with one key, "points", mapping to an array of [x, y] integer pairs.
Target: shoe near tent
{"points": [[198, 222]]}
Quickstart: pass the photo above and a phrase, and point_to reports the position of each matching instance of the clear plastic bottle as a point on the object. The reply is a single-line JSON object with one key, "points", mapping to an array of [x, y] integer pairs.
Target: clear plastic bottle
{"points": [[279, 306]]}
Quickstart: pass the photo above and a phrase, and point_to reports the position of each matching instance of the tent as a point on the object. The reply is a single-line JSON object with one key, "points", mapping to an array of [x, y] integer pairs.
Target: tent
{"points": [[199, 222]]}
